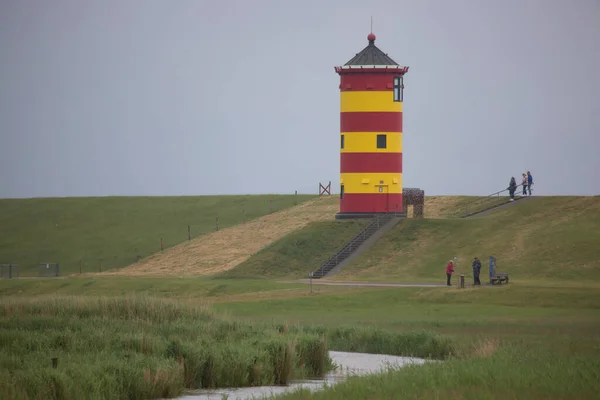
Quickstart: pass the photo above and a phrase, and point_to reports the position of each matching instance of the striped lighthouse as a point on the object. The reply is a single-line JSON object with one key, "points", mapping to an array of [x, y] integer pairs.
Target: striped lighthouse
{"points": [[371, 93]]}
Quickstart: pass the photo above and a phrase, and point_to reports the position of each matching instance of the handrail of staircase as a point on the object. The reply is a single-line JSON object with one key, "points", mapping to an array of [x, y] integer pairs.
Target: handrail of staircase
{"points": [[497, 194], [376, 220], [355, 237]]}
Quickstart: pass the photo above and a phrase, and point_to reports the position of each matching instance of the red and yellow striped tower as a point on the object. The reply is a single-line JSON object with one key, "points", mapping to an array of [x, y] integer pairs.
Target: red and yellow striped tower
{"points": [[371, 92]]}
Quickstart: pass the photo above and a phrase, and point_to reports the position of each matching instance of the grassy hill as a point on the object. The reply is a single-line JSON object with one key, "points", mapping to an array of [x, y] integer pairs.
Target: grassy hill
{"points": [[303, 250], [542, 238], [223, 250], [536, 338], [117, 230], [298, 253]]}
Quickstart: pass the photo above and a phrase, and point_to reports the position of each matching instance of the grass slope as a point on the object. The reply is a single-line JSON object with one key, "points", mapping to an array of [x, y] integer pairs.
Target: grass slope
{"points": [[553, 238], [117, 230], [298, 253], [222, 250], [527, 340]]}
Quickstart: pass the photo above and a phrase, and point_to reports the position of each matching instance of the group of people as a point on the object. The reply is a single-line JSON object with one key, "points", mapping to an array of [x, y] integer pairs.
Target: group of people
{"points": [[526, 182], [476, 271]]}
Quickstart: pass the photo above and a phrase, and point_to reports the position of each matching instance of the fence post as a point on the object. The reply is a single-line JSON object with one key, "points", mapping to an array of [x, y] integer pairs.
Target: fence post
{"points": [[189, 233], [462, 281], [217, 223], [161, 244]]}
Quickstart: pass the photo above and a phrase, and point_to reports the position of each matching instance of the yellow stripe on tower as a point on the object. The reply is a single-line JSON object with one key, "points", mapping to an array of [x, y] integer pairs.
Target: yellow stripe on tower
{"points": [[370, 182], [366, 142], [369, 101]]}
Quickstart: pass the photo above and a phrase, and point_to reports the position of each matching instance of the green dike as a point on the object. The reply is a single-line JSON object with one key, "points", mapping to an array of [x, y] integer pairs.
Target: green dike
{"points": [[116, 229], [538, 240], [536, 338], [297, 253], [542, 239]]}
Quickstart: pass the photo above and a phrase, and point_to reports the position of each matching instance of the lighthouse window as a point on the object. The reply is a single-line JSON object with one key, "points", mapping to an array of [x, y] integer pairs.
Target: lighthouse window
{"points": [[398, 88], [341, 191], [381, 141], [342, 144]]}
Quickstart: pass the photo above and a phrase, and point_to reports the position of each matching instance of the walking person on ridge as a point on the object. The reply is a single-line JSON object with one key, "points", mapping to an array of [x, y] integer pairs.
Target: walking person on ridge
{"points": [[529, 181], [476, 271], [512, 187], [449, 271], [524, 183]]}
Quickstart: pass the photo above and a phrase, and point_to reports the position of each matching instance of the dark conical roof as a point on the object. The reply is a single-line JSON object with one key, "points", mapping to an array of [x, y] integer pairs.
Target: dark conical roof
{"points": [[371, 55]]}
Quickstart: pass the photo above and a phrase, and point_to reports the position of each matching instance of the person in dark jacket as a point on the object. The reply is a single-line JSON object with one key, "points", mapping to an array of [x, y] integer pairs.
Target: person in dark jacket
{"points": [[449, 271], [512, 187], [529, 181], [476, 271]]}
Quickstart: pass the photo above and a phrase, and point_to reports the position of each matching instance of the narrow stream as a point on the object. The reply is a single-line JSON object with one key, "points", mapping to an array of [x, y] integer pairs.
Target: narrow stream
{"points": [[348, 364]]}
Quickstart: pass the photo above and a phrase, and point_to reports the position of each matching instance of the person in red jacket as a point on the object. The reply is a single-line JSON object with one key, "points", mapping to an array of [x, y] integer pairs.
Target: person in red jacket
{"points": [[449, 271]]}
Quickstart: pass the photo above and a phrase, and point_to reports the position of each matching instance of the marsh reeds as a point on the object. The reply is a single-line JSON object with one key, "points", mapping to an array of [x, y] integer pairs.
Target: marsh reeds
{"points": [[141, 348]]}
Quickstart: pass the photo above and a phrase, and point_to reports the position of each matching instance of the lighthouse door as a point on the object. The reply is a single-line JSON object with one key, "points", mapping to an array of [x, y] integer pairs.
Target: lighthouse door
{"points": [[383, 190]]}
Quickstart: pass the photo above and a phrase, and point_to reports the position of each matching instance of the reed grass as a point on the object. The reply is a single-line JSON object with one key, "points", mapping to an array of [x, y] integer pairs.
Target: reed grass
{"points": [[141, 347]]}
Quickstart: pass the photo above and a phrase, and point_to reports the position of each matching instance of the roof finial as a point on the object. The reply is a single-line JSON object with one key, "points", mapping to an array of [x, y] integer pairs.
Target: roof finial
{"points": [[371, 36]]}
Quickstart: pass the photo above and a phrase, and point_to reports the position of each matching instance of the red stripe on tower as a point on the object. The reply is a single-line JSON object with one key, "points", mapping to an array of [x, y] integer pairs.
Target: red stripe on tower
{"points": [[370, 122], [371, 203], [370, 162]]}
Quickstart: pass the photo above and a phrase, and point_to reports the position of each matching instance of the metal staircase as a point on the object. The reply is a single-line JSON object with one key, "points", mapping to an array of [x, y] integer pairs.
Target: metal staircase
{"points": [[377, 222]]}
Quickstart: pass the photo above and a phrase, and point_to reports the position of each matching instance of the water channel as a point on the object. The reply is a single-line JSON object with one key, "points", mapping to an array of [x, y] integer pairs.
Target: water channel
{"points": [[348, 364]]}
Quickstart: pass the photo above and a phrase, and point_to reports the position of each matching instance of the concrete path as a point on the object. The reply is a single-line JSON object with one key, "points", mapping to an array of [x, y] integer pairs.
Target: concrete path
{"points": [[365, 284]]}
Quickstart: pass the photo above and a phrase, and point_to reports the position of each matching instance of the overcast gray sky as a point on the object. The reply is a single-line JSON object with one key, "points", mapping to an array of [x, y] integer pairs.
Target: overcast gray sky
{"points": [[124, 97]]}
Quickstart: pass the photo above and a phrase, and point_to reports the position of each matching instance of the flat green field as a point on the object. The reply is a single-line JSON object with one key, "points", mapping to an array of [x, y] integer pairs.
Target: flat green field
{"points": [[536, 338], [535, 342], [115, 231]]}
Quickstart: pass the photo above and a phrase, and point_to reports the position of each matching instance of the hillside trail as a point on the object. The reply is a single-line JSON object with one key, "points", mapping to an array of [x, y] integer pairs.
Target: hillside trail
{"points": [[224, 249]]}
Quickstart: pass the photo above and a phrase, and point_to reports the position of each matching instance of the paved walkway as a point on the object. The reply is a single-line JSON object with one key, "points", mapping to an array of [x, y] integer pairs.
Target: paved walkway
{"points": [[365, 284]]}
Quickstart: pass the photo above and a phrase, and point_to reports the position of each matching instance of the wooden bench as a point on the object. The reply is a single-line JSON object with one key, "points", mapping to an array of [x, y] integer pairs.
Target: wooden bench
{"points": [[499, 277]]}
